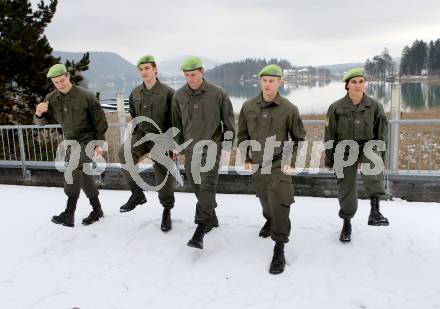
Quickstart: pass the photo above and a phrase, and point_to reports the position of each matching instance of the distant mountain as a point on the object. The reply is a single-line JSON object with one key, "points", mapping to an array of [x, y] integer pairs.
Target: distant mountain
{"points": [[103, 65], [172, 67], [108, 72], [339, 69], [231, 73]]}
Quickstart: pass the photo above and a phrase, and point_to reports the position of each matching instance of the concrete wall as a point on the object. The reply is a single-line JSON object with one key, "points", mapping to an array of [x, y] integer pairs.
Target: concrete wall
{"points": [[420, 188]]}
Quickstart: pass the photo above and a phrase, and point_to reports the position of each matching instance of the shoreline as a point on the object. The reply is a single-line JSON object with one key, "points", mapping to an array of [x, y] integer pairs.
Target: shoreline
{"points": [[407, 79], [433, 113]]}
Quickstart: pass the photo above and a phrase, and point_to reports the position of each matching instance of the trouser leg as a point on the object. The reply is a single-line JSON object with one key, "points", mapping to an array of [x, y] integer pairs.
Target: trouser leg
{"points": [[166, 192], [79, 178], [89, 186], [374, 184], [135, 153], [280, 199], [347, 192], [206, 190], [261, 184]]}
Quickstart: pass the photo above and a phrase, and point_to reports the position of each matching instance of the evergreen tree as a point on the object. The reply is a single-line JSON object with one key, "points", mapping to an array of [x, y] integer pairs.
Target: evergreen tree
{"points": [[381, 65], [26, 57], [436, 58], [418, 57], [75, 68], [405, 61], [387, 62], [433, 63], [247, 69]]}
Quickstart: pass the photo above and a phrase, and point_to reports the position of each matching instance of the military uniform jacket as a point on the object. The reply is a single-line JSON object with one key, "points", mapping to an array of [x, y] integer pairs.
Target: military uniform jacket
{"points": [[203, 114], [154, 103], [259, 120], [78, 112], [362, 123]]}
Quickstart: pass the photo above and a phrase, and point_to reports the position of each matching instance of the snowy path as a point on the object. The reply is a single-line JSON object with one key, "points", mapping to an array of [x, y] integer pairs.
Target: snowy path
{"points": [[125, 261]]}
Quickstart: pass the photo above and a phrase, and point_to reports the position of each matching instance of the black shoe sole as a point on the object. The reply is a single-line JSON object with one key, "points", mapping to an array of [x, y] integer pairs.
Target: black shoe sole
{"points": [[341, 239], [127, 210], [195, 244], [165, 229], [61, 223], [378, 224], [276, 272], [91, 222]]}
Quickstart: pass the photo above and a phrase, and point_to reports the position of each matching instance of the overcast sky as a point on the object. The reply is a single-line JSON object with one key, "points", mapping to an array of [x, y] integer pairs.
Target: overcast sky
{"points": [[304, 32]]}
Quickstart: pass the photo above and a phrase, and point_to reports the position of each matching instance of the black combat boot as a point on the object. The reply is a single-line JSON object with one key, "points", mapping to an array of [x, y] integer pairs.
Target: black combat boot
{"points": [[265, 230], [346, 231], [166, 224], [376, 217], [96, 212], [197, 240], [67, 217], [213, 223], [137, 198], [278, 261]]}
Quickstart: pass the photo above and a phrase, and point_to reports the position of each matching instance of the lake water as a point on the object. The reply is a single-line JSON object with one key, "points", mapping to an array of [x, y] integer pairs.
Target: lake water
{"points": [[315, 97]]}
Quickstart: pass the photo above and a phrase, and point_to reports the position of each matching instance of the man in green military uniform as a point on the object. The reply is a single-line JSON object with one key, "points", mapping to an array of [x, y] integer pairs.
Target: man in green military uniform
{"points": [[265, 116], [151, 99], [202, 111], [356, 117], [82, 120]]}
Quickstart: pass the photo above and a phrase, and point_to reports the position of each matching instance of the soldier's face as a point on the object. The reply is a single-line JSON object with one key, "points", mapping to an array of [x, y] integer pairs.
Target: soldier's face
{"points": [[62, 83], [148, 72], [270, 84], [356, 85], [194, 78]]}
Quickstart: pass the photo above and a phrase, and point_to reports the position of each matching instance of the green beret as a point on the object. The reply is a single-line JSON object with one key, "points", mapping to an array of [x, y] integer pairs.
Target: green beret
{"points": [[271, 70], [56, 70], [191, 64], [354, 72], [145, 59]]}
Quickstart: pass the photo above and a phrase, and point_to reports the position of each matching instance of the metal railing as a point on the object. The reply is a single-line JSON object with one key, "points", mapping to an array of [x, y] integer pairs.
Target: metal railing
{"points": [[419, 145], [35, 143], [35, 146], [416, 145]]}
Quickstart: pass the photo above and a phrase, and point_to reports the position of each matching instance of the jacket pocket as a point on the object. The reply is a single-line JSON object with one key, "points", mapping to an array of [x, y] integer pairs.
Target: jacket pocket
{"points": [[343, 128], [282, 187], [252, 119]]}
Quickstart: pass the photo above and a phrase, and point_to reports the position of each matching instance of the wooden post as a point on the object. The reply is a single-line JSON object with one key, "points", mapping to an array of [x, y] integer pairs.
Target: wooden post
{"points": [[394, 143], [121, 115]]}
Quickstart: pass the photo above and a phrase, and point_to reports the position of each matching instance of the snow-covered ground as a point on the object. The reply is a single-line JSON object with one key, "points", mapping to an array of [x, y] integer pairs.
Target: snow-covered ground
{"points": [[125, 261]]}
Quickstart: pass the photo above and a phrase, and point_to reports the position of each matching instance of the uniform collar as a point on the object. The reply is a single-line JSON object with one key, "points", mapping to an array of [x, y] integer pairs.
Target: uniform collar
{"points": [[203, 87], [365, 102], [276, 100], [155, 89], [72, 93]]}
